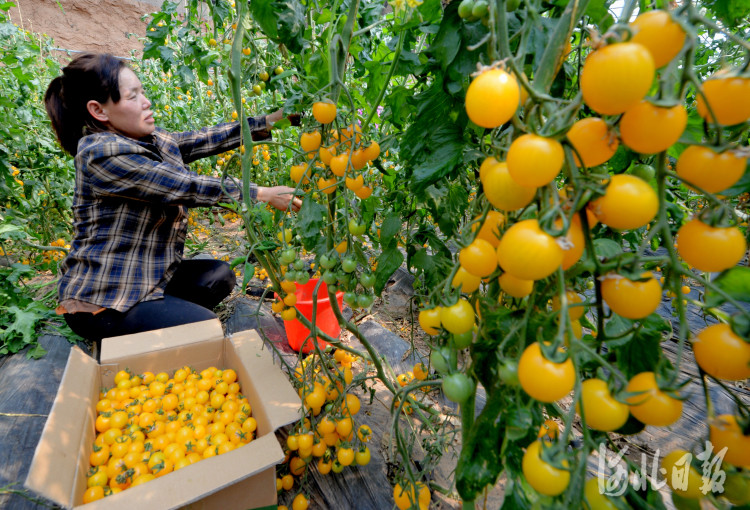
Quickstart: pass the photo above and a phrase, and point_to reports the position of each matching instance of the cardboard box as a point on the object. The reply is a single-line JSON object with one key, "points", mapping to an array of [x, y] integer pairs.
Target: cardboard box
{"points": [[244, 478]]}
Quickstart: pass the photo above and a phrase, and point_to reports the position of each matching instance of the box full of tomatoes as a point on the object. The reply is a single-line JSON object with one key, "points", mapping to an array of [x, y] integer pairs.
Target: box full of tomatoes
{"points": [[180, 417]]}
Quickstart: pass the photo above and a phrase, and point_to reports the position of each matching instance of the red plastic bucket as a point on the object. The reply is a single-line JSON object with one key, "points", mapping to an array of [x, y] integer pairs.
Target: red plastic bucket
{"points": [[325, 319]]}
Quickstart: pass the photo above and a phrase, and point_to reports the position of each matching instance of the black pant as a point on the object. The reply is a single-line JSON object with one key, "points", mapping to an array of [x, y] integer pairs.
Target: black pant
{"points": [[195, 289]]}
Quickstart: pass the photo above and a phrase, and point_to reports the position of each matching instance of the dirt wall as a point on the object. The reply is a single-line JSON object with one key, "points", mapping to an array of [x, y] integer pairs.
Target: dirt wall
{"points": [[112, 26]]}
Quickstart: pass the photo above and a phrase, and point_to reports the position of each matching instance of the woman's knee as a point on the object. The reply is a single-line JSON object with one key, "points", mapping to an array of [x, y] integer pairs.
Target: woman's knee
{"points": [[223, 282], [225, 273]]}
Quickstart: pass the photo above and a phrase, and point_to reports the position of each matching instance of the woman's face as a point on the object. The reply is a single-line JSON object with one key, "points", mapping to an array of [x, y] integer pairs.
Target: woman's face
{"points": [[132, 115]]}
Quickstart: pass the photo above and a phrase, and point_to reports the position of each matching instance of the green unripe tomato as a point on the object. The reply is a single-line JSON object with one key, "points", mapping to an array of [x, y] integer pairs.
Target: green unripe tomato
{"points": [[302, 277], [439, 362], [350, 298], [645, 172], [288, 256], [349, 264], [365, 300], [356, 228], [299, 264], [737, 489], [465, 8], [683, 503], [367, 280], [463, 340], [508, 372], [512, 5], [443, 359], [343, 279], [329, 277], [327, 262], [480, 9], [458, 387], [263, 76], [290, 276]]}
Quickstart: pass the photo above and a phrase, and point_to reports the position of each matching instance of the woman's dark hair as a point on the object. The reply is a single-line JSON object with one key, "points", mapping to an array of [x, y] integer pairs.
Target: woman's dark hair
{"points": [[89, 76]]}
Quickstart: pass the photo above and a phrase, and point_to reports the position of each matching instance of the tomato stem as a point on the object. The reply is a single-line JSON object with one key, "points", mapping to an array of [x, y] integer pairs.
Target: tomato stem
{"points": [[668, 242]]}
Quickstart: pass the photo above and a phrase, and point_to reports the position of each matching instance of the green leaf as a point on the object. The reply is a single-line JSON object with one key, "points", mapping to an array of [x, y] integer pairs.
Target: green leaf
{"points": [[449, 208], [446, 156], [263, 12], [390, 229], [741, 186], [740, 324], [423, 261], [370, 11], [655, 325], [281, 20], [481, 462], [8, 228], [732, 12], [518, 423], [607, 248], [249, 272], [22, 330], [390, 260], [621, 159], [7, 29], [447, 41], [598, 10], [518, 495], [735, 282], [317, 68], [432, 146], [36, 351], [310, 222], [641, 350], [617, 326]]}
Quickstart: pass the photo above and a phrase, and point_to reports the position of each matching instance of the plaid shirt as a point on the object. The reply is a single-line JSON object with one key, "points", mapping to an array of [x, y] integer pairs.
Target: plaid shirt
{"points": [[130, 211]]}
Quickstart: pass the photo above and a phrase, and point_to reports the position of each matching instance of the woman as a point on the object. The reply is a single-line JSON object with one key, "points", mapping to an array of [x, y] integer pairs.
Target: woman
{"points": [[125, 272]]}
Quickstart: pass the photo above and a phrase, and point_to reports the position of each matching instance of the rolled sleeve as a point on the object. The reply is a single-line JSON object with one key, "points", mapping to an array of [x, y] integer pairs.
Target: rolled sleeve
{"points": [[138, 174], [214, 140]]}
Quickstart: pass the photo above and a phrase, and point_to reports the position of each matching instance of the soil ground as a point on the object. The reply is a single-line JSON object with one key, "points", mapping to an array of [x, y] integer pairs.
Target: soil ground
{"points": [[107, 26]]}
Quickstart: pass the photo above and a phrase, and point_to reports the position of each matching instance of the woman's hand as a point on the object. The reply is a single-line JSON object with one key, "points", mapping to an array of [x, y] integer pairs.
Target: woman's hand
{"points": [[279, 197], [273, 118]]}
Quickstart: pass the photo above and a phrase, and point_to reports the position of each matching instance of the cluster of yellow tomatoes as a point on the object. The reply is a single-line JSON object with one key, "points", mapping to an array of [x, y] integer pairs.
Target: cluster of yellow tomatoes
{"points": [[419, 373], [55, 255], [284, 304], [149, 425], [615, 80], [341, 153], [329, 436]]}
